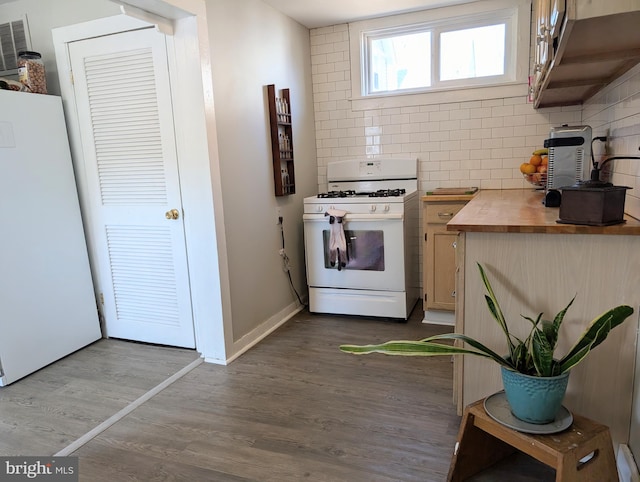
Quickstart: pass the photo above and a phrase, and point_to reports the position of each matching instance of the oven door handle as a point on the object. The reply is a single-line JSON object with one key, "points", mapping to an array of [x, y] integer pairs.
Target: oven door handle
{"points": [[355, 217]]}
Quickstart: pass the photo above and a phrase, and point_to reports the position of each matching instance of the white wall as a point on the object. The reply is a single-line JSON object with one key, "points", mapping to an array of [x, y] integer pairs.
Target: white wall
{"points": [[253, 45]]}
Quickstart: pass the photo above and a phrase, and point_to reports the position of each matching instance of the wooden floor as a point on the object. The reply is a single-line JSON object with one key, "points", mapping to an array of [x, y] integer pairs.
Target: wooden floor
{"points": [[44, 412], [292, 408]]}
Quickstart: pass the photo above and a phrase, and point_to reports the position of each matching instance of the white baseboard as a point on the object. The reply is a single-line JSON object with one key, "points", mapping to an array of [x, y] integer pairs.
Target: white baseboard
{"points": [[627, 468], [261, 332], [435, 317]]}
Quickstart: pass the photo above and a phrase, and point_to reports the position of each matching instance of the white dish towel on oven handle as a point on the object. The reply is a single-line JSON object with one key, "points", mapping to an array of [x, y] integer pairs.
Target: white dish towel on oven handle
{"points": [[337, 240]]}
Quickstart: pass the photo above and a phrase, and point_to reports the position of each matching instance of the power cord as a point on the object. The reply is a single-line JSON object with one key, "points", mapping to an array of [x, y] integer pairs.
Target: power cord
{"points": [[286, 267]]}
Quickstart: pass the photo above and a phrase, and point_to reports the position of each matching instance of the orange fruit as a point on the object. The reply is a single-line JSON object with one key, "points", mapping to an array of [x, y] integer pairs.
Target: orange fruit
{"points": [[535, 160], [527, 168], [545, 160]]}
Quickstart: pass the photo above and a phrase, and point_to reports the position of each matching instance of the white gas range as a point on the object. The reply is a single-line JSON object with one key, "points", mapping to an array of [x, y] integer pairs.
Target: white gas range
{"points": [[361, 239]]}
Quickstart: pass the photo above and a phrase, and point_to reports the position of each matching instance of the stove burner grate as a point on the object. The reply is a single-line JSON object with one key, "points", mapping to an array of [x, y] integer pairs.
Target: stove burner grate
{"points": [[335, 194], [387, 193], [351, 193]]}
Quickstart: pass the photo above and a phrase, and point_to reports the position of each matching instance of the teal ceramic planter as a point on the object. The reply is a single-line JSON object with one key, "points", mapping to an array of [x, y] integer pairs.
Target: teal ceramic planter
{"points": [[534, 399]]}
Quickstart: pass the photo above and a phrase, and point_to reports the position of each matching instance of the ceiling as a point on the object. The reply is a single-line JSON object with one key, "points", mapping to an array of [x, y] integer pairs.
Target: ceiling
{"points": [[322, 13]]}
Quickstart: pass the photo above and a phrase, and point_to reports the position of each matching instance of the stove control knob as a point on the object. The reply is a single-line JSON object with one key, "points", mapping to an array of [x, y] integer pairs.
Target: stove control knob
{"points": [[319, 209], [372, 208], [386, 208]]}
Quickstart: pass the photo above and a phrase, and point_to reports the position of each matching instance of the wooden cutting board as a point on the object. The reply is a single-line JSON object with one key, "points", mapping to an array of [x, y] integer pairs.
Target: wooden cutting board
{"points": [[452, 190]]}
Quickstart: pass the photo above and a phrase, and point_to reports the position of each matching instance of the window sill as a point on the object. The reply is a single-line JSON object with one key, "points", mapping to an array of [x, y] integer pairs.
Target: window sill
{"points": [[439, 97]]}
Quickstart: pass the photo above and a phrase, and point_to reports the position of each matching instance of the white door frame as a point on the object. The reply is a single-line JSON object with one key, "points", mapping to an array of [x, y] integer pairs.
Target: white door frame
{"points": [[198, 160]]}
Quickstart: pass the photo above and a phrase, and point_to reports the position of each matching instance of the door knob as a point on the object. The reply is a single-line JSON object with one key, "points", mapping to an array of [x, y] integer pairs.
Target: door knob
{"points": [[173, 214]]}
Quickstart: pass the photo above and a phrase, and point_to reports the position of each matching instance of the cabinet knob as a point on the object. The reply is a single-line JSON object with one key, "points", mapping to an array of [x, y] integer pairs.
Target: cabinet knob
{"points": [[454, 244], [453, 294], [172, 214]]}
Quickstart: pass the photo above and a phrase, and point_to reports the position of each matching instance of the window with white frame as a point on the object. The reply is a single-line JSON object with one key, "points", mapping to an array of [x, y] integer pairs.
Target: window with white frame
{"points": [[464, 47]]}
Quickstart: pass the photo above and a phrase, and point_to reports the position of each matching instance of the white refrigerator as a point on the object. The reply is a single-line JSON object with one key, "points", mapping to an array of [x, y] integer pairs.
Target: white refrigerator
{"points": [[47, 301]]}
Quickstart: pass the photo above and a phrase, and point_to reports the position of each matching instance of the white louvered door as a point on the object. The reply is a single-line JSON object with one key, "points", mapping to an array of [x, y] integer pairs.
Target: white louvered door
{"points": [[123, 98]]}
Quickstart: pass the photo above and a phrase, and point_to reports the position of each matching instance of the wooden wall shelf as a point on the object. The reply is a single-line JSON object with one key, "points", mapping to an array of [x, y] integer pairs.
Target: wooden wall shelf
{"points": [[281, 141]]}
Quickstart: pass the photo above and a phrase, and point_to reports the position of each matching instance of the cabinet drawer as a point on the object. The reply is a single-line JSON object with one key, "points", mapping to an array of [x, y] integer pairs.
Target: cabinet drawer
{"points": [[441, 213]]}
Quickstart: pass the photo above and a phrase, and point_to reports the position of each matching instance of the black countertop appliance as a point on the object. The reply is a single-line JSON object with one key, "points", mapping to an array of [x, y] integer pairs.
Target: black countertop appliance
{"points": [[594, 202]]}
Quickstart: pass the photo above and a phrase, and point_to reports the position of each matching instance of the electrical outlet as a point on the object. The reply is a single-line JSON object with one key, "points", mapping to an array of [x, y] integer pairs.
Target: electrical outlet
{"points": [[278, 215]]}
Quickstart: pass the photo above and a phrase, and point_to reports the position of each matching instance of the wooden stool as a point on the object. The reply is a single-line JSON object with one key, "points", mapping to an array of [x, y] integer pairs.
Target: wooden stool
{"points": [[482, 442]]}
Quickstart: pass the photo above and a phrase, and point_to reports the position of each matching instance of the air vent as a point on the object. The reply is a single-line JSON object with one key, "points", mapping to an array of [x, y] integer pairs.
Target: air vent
{"points": [[14, 37]]}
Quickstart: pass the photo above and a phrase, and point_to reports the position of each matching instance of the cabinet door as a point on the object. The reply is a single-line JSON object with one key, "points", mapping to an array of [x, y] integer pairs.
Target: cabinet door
{"points": [[444, 270], [439, 255], [542, 47]]}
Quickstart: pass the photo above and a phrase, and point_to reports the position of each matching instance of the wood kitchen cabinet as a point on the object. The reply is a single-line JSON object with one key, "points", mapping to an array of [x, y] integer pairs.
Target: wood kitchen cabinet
{"points": [[439, 256], [581, 46], [281, 141]]}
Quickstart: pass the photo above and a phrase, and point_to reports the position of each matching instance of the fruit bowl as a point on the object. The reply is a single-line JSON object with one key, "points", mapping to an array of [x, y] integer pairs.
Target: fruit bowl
{"points": [[538, 179]]}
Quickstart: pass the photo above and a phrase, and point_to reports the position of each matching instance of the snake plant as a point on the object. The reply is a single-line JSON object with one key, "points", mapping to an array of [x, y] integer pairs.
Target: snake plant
{"points": [[531, 356]]}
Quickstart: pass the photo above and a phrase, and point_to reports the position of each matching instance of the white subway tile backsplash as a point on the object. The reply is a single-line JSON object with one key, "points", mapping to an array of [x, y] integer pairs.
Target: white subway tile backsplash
{"points": [[515, 100], [460, 114], [449, 106], [451, 125], [513, 141], [459, 175], [490, 122], [335, 77], [460, 134], [523, 109], [459, 155], [501, 153], [491, 143], [502, 111], [480, 134], [471, 124], [504, 132], [479, 113], [439, 136], [492, 102], [439, 156]]}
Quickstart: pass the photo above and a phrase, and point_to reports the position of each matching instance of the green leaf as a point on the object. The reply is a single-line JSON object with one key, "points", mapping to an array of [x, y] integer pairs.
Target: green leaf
{"points": [[474, 343], [542, 354], [596, 333], [550, 333], [494, 307], [552, 336], [427, 347], [568, 363]]}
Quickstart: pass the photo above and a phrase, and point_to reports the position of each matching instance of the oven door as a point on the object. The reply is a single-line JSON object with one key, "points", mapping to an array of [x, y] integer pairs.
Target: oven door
{"points": [[375, 252]]}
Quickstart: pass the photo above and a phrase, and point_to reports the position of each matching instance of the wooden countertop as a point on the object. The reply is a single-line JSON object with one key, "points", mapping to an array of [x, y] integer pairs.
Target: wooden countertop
{"points": [[522, 211]]}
